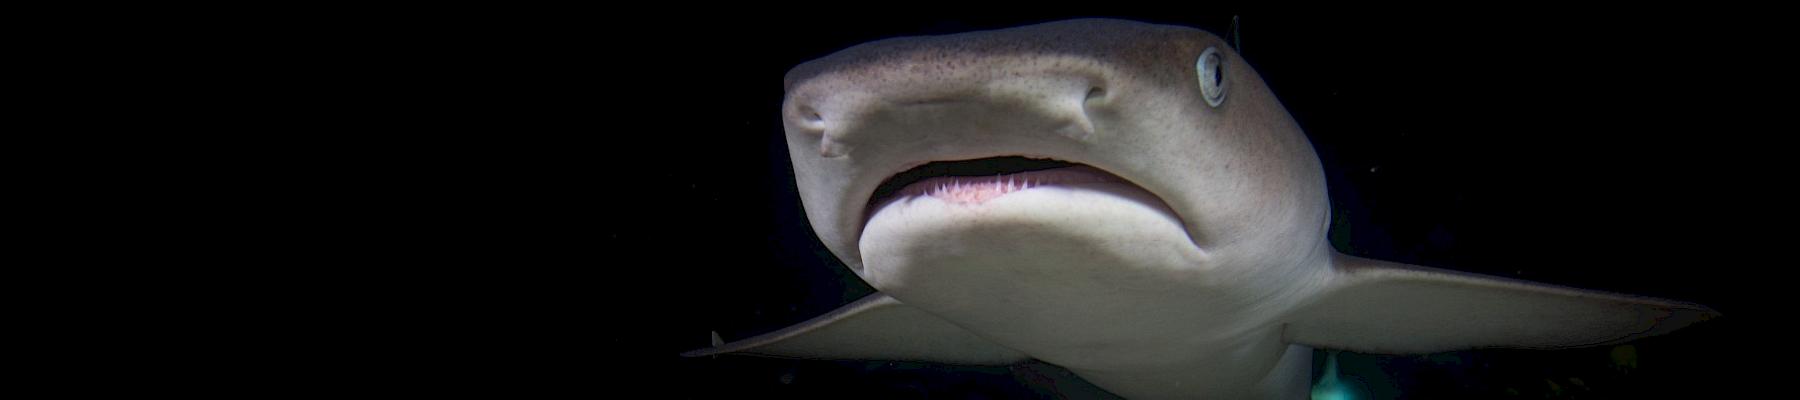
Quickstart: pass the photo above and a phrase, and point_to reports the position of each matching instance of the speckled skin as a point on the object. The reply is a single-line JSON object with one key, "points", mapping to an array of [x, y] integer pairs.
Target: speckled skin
{"points": [[1207, 275]]}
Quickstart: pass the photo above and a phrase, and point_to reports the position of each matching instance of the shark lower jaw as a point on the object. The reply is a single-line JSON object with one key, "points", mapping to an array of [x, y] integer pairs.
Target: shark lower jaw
{"points": [[1015, 204], [1057, 249]]}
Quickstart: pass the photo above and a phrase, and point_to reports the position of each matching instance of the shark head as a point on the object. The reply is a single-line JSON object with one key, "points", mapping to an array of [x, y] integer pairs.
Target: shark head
{"points": [[1159, 125], [1126, 200]]}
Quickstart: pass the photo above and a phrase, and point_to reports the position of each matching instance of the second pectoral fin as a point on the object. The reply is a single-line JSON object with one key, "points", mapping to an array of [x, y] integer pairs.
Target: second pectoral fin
{"points": [[1380, 307]]}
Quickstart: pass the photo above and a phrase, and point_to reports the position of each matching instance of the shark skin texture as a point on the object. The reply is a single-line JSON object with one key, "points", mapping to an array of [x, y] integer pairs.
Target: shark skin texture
{"points": [[1176, 247]]}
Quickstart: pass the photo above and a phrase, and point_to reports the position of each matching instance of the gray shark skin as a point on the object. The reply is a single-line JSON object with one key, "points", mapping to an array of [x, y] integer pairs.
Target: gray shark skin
{"points": [[1185, 256]]}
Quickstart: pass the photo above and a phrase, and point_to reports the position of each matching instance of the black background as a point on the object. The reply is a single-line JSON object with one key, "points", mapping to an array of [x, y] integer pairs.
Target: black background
{"points": [[608, 188]]}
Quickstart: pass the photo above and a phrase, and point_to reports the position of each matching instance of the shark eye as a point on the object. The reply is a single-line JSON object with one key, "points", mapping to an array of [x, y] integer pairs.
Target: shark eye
{"points": [[1211, 68]]}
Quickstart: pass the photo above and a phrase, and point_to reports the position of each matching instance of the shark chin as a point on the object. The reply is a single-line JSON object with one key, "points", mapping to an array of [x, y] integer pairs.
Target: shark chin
{"points": [[1075, 240]]}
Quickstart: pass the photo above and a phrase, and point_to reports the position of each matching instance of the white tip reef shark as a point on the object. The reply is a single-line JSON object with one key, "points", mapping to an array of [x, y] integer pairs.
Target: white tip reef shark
{"points": [[1125, 200]]}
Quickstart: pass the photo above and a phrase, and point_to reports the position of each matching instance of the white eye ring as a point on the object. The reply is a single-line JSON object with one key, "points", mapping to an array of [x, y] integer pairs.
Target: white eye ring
{"points": [[1210, 67]]}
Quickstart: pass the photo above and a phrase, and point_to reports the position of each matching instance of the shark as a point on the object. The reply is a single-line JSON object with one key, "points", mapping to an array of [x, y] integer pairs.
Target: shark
{"points": [[1128, 201]]}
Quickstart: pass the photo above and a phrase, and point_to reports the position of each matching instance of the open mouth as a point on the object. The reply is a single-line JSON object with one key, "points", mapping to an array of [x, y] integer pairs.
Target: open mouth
{"points": [[975, 181], [978, 180]]}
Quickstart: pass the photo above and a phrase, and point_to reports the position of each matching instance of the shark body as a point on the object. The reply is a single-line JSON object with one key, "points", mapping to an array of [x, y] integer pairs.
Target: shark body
{"points": [[1174, 247]]}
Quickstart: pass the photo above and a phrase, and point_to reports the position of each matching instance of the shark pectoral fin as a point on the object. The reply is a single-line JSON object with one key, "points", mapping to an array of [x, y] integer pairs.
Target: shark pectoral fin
{"points": [[874, 328], [1382, 307]]}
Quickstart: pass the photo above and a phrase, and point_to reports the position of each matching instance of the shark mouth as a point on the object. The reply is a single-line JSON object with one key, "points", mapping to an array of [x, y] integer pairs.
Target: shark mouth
{"points": [[975, 181], [979, 180]]}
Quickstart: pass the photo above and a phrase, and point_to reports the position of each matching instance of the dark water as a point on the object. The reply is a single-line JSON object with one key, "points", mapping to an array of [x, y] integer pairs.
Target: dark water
{"points": [[475, 156], [1540, 146]]}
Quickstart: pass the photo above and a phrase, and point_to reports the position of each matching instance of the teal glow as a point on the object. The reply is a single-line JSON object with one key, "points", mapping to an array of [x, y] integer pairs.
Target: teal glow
{"points": [[1329, 387], [1332, 394]]}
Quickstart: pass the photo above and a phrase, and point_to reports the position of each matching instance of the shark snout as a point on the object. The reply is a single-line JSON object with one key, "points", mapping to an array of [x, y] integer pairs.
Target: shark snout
{"points": [[846, 111]]}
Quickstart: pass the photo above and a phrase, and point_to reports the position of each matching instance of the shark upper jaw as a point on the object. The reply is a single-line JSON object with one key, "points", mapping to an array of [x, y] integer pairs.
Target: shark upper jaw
{"points": [[975, 181]]}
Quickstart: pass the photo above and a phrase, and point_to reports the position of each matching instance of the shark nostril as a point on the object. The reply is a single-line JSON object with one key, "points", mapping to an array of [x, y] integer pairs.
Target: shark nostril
{"points": [[810, 120], [1081, 125]]}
